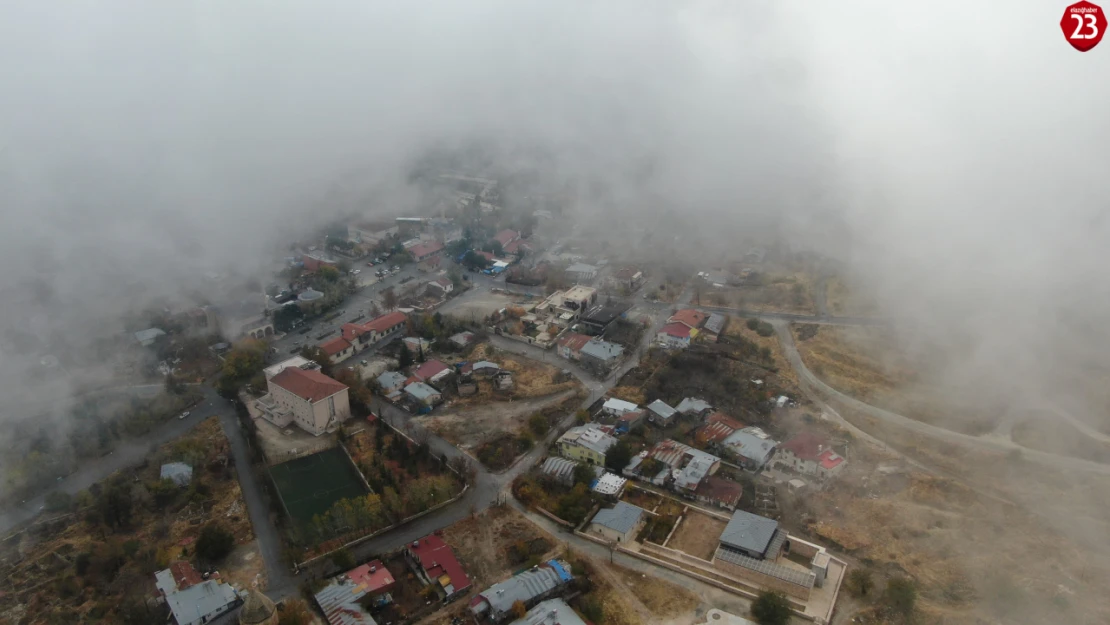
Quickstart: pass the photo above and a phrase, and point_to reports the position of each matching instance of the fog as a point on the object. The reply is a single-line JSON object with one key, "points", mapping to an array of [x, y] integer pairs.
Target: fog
{"points": [[952, 157]]}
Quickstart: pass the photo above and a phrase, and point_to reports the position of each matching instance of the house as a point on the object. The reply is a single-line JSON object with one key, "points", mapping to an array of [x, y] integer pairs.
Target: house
{"points": [[714, 327], [338, 349], [485, 368], [425, 250], [751, 546], [751, 446], [177, 472], [609, 485], [692, 406], [506, 237], [423, 394], [629, 420], [616, 407], [810, 454], [342, 601], [416, 344], [581, 272], [551, 612], [440, 287], [391, 381], [431, 263], [578, 298], [312, 400], [618, 524], [299, 362], [503, 380], [529, 588], [684, 466], [570, 345], [717, 491], [689, 317], [432, 372], [675, 336], [585, 443], [435, 564], [147, 337], [750, 535], [517, 248], [600, 357], [362, 336], [717, 427], [628, 278], [660, 413], [561, 470], [599, 316], [313, 261], [193, 600], [462, 339]]}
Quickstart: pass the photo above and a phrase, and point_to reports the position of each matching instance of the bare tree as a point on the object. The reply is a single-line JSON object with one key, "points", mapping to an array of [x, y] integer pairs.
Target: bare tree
{"points": [[389, 299]]}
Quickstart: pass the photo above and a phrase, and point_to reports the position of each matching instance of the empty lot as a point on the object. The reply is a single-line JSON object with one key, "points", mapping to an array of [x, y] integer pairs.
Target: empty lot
{"points": [[697, 534]]}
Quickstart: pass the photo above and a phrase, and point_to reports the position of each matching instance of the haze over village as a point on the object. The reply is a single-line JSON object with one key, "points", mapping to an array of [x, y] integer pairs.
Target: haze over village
{"points": [[509, 313]]}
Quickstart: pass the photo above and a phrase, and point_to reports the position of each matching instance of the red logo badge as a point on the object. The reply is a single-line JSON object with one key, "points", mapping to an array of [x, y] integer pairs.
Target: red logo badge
{"points": [[1083, 25]]}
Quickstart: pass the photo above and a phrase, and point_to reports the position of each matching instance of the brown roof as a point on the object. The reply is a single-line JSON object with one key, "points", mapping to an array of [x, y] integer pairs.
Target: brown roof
{"points": [[311, 385], [807, 445], [335, 345], [574, 341], [506, 236], [423, 249], [184, 575], [677, 330], [717, 428], [689, 317], [722, 490], [429, 369], [380, 324]]}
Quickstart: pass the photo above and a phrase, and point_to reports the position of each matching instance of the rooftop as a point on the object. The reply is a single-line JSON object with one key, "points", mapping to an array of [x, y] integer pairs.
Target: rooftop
{"points": [[439, 563], [605, 313], [523, 586], [391, 379], [581, 268], [335, 345], [551, 612], [590, 437], [749, 532], [660, 408], [573, 341], [721, 490], [602, 350], [430, 369], [295, 361], [806, 445], [689, 317], [620, 518], [372, 576], [421, 391], [339, 601], [423, 249], [203, 598], [619, 405], [578, 293], [506, 236], [677, 330], [693, 404], [715, 323], [751, 443], [609, 484], [718, 426], [310, 385]]}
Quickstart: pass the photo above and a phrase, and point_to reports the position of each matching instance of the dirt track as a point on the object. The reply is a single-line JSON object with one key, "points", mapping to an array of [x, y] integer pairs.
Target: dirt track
{"points": [[470, 427]]}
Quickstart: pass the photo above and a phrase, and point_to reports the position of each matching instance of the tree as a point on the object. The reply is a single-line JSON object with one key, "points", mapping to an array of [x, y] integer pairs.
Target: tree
{"points": [[860, 582], [584, 474], [244, 360], [58, 501], [538, 424], [343, 559], [771, 608], [404, 357], [286, 317], [618, 456], [214, 543], [389, 299], [474, 260], [172, 386], [317, 355], [900, 595], [328, 273]]}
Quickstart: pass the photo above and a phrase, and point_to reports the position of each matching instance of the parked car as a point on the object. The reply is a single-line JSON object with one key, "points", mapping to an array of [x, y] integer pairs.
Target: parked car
{"points": [[395, 269], [356, 271], [369, 263], [184, 414]]}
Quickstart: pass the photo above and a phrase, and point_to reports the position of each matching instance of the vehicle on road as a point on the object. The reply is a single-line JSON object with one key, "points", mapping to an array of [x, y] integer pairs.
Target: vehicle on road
{"points": [[369, 263], [356, 271], [184, 414], [395, 269]]}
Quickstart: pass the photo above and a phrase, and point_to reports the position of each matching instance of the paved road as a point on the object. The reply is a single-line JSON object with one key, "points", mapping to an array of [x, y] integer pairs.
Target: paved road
{"points": [[796, 318]]}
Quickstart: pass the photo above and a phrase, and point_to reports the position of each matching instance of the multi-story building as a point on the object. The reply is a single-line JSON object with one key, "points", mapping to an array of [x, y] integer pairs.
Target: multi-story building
{"points": [[585, 443], [312, 400]]}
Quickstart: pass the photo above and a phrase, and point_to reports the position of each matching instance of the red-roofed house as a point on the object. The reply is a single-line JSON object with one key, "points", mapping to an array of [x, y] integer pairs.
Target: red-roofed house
{"points": [[425, 250], [675, 335], [506, 237], [518, 247], [570, 345], [373, 579], [719, 492], [312, 400], [338, 349], [362, 336], [431, 371], [811, 454], [184, 575], [313, 262], [718, 426], [689, 317], [433, 561]]}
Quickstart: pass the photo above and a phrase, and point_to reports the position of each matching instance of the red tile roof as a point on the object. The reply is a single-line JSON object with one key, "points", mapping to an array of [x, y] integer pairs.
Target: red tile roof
{"points": [[689, 317], [378, 581], [385, 322], [424, 249], [506, 236], [829, 459], [721, 490], [311, 385], [184, 575], [677, 330], [574, 341], [335, 345], [807, 445], [429, 369], [437, 560]]}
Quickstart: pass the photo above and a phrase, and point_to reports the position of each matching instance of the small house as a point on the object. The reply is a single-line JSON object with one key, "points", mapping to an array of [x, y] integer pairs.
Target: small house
{"points": [[614, 407], [660, 413], [423, 394], [435, 564], [618, 524]]}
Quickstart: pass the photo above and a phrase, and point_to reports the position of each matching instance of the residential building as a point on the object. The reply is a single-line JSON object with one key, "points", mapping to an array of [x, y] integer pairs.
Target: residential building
{"points": [[147, 337], [417, 345], [391, 382], [578, 298], [599, 316], [338, 349], [689, 317], [609, 485], [811, 454], [692, 406], [685, 466], [717, 427], [435, 564], [600, 357], [570, 345], [718, 491], [314, 260], [363, 336], [629, 420], [257, 328], [661, 414], [431, 263], [342, 601], [751, 546], [299, 362], [177, 472], [485, 368], [675, 336], [432, 372], [751, 535], [618, 524], [425, 250], [312, 400], [193, 600], [561, 470], [440, 287], [423, 394], [529, 588], [462, 339], [581, 272], [614, 407], [517, 248], [585, 443], [750, 446], [629, 278], [505, 237], [551, 612], [714, 327], [503, 380]]}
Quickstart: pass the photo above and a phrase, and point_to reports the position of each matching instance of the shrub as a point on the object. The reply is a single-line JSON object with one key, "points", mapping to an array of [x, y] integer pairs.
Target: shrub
{"points": [[900, 595], [214, 543], [771, 608], [859, 582]]}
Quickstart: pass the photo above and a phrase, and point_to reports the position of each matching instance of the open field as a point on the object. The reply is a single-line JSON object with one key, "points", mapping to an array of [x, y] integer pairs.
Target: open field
{"points": [[783, 372], [1058, 437], [790, 292], [496, 543], [879, 366], [477, 304], [311, 485], [469, 427], [847, 301], [531, 378], [697, 535]]}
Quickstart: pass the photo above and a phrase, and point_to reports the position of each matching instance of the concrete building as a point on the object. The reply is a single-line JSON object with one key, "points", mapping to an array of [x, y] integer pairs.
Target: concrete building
{"points": [[585, 443], [423, 394], [614, 407], [391, 381], [750, 547], [299, 362], [617, 524], [661, 414], [579, 299], [570, 345], [363, 336], [581, 272], [541, 582], [551, 612], [338, 349], [600, 357], [312, 400], [599, 316], [425, 250], [750, 446], [193, 600], [689, 317], [675, 336], [432, 372], [810, 454]]}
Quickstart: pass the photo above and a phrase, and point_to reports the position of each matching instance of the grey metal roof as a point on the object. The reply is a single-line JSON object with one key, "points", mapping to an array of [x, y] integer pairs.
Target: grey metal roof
{"points": [[662, 409], [748, 443], [620, 518], [748, 531], [391, 379], [196, 602], [559, 468], [420, 390], [582, 268], [715, 323], [691, 404], [340, 605], [146, 337], [524, 586], [551, 612], [602, 350], [588, 436]]}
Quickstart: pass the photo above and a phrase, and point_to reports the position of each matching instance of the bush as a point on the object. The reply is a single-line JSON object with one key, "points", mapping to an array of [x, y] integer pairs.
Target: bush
{"points": [[58, 501], [618, 456], [343, 560], [538, 424], [859, 582], [592, 609], [900, 595], [771, 608], [214, 543]]}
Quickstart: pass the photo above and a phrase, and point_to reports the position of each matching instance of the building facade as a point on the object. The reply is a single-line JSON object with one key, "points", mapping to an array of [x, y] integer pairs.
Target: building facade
{"points": [[306, 397]]}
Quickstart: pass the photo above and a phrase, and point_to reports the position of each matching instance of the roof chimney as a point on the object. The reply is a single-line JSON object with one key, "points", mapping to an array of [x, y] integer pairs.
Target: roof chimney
{"points": [[373, 569]]}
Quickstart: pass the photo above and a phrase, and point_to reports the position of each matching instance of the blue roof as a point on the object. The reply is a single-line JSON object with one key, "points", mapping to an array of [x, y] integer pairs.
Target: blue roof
{"points": [[564, 574]]}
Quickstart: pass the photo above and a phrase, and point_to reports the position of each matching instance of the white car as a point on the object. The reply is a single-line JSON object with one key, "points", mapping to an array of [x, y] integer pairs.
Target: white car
{"points": [[357, 271], [184, 414]]}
